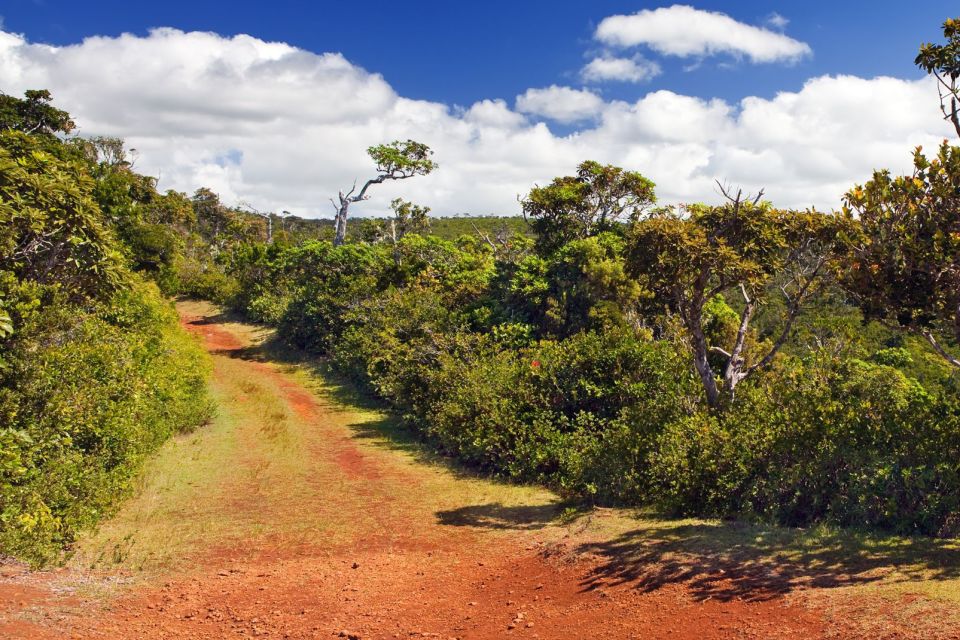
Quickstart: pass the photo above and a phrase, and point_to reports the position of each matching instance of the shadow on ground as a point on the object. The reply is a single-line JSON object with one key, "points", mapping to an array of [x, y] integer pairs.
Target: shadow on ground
{"points": [[498, 516], [729, 560]]}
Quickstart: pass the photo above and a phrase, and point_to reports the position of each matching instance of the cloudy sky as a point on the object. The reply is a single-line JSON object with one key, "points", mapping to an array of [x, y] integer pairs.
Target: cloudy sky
{"points": [[274, 103]]}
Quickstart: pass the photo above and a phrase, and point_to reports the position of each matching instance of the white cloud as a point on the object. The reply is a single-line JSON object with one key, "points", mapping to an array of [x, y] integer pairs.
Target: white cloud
{"points": [[606, 67], [683, 31], [777, 21], [283, 128], [563, 104]]}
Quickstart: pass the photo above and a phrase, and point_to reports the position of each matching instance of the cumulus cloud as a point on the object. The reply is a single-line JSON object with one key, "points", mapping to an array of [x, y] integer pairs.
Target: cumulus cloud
{"points": [[283, 128], [606, 67], [683, 31], [563, 104]]}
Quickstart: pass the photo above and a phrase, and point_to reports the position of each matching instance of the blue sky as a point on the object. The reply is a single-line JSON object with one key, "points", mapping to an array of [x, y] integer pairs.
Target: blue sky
{"points": [[504, 92], [459, 52]]}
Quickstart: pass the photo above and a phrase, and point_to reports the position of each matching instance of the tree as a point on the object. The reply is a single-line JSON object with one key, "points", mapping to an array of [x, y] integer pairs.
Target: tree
{"points": [[584, 205], [687, 257], [33, 114], [51, 229], [943, 62], [394, 161], [905, 267]]}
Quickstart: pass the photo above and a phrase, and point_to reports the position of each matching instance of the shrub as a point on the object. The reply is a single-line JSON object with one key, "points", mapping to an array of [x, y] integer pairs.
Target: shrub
{"points": [[86, 394]]}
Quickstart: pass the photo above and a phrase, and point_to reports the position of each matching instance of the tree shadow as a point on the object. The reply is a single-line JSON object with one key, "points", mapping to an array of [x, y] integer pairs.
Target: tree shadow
{"points": [[500, 517], [726, 561], [203, 321]]}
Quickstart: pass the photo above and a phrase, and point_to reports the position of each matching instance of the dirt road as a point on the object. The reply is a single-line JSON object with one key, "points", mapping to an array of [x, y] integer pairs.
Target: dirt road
{"points": [[295, 515]]}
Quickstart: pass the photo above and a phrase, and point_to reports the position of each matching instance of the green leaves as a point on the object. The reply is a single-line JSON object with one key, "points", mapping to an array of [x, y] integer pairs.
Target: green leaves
{"points": [[597, 199], [905, 265], [6, 324], [943, 62], [402, 159], [51, 229], [33, 114]]}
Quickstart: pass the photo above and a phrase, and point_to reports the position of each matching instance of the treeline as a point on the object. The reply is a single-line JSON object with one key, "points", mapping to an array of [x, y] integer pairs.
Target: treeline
{"points": [[572, 361], [95, 372]]}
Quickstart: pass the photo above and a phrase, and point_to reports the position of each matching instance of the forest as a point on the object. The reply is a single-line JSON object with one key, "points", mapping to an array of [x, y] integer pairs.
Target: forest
{"points": [[728, 359]]}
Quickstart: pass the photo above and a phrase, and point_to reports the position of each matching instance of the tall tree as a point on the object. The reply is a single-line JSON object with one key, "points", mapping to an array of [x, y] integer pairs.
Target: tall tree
{"points": [[591, 202], [33, 114], [905, 267], [394, 161], [744, 247], [943, 62]]}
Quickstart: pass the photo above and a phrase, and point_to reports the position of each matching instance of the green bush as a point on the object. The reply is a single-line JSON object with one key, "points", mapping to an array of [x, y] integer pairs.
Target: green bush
{"points": [[848, 442], [85, 394]]}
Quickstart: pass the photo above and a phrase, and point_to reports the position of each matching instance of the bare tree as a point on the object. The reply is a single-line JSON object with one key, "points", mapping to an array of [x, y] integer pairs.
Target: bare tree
{"points": [[395, 161]]}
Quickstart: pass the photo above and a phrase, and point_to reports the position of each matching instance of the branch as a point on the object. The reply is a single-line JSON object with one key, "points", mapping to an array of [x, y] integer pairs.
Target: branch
{"points": [[485, 237], [926, 333], [738, 199], [363, 192], [722, 352]]}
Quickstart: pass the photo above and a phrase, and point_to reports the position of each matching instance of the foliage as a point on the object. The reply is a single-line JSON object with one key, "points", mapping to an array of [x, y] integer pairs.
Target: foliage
{"points": [[95, 372], [591, 202], [850, 442], [906, 264], [51, 230], [33, 114], [688, 257], [943, 62]]}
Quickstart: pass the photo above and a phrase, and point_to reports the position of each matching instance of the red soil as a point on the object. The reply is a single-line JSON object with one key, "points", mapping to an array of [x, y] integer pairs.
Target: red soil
{"points": [[402, 578]]}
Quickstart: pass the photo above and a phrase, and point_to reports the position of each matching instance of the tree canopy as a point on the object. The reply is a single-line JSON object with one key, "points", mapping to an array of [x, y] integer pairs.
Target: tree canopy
{"points": [[34, 114], [590, 202]]}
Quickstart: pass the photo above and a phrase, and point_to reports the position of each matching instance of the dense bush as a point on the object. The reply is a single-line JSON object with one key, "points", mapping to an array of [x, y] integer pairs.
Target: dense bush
{"points": [[845, 441], [556, 369], [95, 371], [85, 394]]}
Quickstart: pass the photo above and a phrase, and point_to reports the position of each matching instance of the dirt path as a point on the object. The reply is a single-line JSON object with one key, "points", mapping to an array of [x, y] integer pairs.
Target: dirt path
{"points": [[292, 516]]}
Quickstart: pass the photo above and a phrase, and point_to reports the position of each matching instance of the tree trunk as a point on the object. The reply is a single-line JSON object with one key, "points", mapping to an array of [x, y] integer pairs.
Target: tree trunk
{"points": [[340, 222], [701, 360]]}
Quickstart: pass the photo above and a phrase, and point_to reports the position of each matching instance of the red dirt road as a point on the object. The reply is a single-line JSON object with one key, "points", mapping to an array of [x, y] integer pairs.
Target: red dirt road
{"points": [[406, 570]]}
